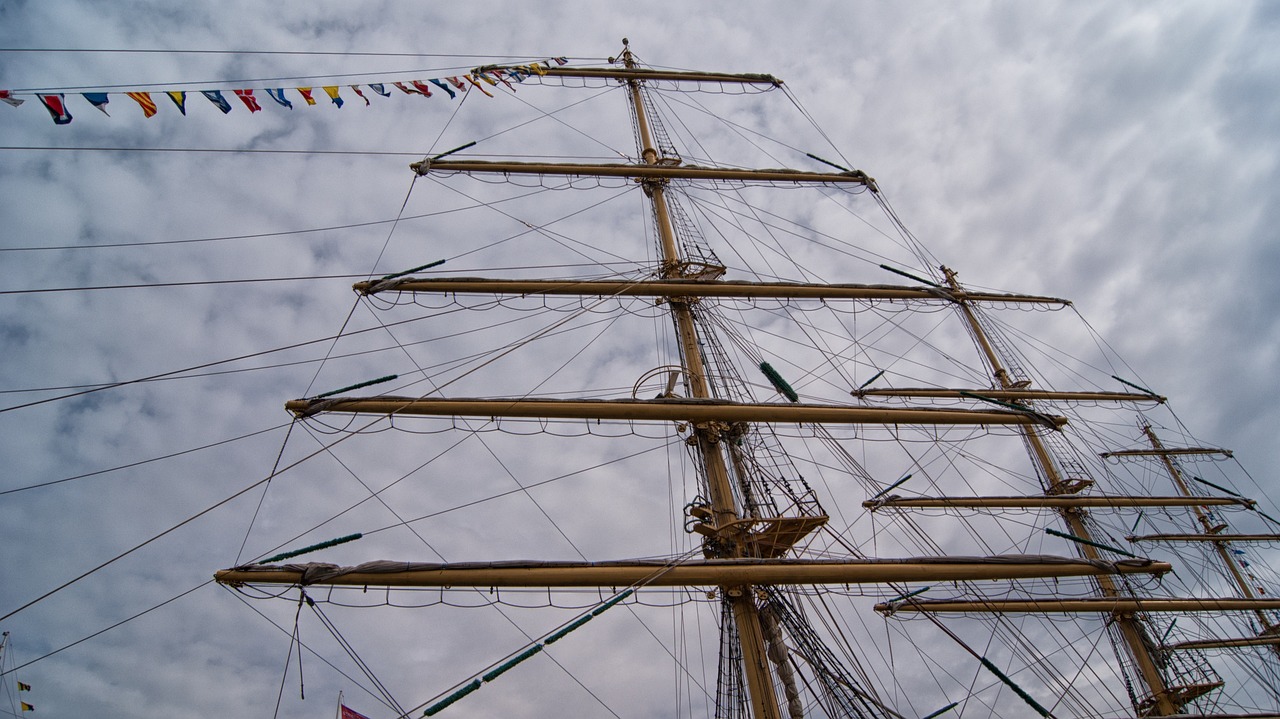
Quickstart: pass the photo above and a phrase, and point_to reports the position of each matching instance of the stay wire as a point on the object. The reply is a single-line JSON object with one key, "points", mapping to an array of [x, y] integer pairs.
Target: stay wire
{"points": [[508, 350], [351, 652], [177, 526], [240, 596], [171, 373], [329, 352], [238, 82], [302, 53], [671, 564], [257, 235], [143, 461], [377, 494], [193, 283], [284, 676], [409, 193], [263, 497], [545, 115], [107, 629]]}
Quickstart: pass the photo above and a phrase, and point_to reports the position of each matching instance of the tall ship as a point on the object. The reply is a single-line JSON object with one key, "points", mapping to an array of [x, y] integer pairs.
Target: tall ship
{"points": [[772, 458]]}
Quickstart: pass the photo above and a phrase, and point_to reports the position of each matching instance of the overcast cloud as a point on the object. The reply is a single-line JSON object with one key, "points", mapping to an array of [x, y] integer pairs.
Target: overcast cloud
{"points": [[1123, 156]]}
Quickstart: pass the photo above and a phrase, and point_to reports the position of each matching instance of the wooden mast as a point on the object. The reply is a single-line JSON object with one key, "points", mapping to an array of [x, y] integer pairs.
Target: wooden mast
{"points": [[1211, 532], [741, 598], [1134, 638]]}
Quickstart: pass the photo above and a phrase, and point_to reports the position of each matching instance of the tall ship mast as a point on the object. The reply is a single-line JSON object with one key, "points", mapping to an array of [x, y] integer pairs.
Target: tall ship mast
{"points": [[872, 523]]}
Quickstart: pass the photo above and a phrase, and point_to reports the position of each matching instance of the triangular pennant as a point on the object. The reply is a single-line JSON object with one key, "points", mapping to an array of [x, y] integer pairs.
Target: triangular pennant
{"points": [[444, 87], [7, 97], [332, 92], [457, 83], [179, 98], [405, 90], [57, 107], [251, 102], [306, 95], [561, 60], [98, 100], [23, 687], [278, 95], [215, 96], [144, 101], [378, 88], [27, 707], [356, 90], [498, 74], [422, 88], [479, 87]]}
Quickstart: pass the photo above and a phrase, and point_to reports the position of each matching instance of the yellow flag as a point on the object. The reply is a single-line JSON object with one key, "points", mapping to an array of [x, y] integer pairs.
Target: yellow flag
{"points": [[27, 707], [144, 100]]}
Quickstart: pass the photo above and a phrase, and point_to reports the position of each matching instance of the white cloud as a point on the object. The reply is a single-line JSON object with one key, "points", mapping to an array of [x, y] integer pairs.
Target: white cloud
{"points": [[1123, 157]]}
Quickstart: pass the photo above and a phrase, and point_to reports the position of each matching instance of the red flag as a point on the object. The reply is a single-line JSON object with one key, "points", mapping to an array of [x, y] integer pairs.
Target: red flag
{"points": [[405, 90], [351, 713], [251, 102], [57, 108], [421, 88]]}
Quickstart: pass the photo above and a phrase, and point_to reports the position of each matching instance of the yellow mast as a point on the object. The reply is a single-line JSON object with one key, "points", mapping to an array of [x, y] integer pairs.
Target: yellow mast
{"points": [[1134, 638], [1211, 532], [741, 598]]}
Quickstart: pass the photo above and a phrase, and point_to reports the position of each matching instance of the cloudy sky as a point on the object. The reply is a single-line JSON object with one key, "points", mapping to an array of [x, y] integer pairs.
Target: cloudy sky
{"points": [[1121, 156]]}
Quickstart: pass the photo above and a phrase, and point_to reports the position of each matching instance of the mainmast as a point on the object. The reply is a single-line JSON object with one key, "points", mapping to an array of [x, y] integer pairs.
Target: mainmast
{"points": [[741, 598]]}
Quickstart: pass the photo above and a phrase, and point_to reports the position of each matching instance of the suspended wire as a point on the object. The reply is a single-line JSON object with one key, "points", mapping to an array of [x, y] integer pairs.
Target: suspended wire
{"points": [[293, 639], [350, 650], [144, 461], [338, 78], [302, 53], [171, 373], [217, 150], [193, 283], [173, 528], [104, 630], [284, 233], [239, 596]]}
